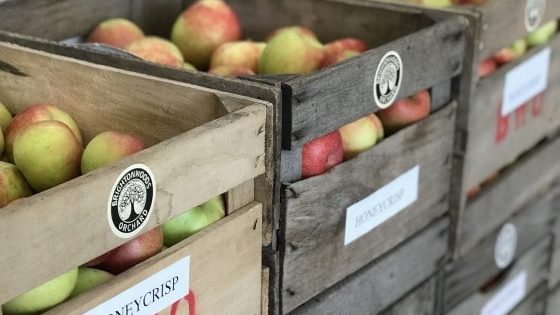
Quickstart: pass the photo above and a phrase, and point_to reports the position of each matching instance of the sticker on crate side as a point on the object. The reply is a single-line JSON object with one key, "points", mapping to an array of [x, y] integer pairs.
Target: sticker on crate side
{"points": [[152, 295], [387, 80], [372, 211], [526, 81], [131, 200], [508, 297], [506, 245], [534, 14]]}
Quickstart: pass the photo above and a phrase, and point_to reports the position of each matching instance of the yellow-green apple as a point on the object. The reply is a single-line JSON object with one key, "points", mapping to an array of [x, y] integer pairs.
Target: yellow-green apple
{"points": [[543, 34], [244, 54], [358, 137], [108, 147], [47, 153], [341, 56], [433, 3], [133, 252], [188, 67], [12, 184], [33, 114], [116, 32], [321, 154], [1, 142], [43, 297], [89, 278], [292, 50], [406, 111], [5, 117], [335, 49], [469, 2], [487, 67], [157, 50], [377, 123], [231, 71], [509, 54], [202, 28], [192, 221]]}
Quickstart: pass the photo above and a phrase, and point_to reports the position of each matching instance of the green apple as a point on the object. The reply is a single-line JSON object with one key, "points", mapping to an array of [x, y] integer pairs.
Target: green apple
{"points": [[1, 142], [543, 34], [12, 184], [44, 296], [5, 117], [192, 221], [89, 278]]}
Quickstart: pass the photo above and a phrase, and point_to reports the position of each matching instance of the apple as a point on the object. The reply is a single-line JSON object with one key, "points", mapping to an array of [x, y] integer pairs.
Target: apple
{"points": [[469, 2], [358, 137], [202, 28], [321, 154], [473, 191], [12, 184], [5, 117], [293, 50], [116, 32], [47, 154], [378, 125], [487, 67], [509, 54], [133, 252], [97, 260], [433, 3], [108, 147], [406, 111], [89, 278], [43, 297], [157, 50], [192, 221], [244, 54], [231, 71], [340, 57], [543, 34], [188, 67], [36, 113], [335, 49], [1, 142]]}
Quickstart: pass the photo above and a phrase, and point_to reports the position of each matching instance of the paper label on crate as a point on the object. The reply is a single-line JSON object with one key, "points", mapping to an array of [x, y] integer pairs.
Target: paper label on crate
{"points": [[152, 295], [372, 211], [131, 200], [534, 14], [506, 245], [387, 80], [509, 296], [526, 81]]}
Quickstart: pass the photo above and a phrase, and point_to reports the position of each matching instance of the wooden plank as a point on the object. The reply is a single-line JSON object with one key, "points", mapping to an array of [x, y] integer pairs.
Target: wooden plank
{"points": [[508, 137], [264, 290], [240, 196], [466, 276], [554, 278], [511, 191], [420, 301], [155, 17], [231, 148], [534, 264], [553, 303], [316, 104], [381, 283], [534, 304], [314, 254], [216, 285]]}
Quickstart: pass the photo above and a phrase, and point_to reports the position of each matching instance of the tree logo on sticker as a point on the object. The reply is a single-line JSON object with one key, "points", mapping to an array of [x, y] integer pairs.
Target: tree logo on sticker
{"points": [[534, 14], [506, 246], [131, 201], [387, 80]]}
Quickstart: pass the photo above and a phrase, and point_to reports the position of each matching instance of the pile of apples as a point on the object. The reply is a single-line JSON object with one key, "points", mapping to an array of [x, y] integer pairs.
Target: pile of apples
{"points": [[43, 148]]}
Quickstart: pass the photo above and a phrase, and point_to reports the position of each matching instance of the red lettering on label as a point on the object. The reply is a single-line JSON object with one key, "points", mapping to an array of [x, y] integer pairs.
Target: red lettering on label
{"points": [[190, 298], [502, 125], [537, 105], [520, 115]]}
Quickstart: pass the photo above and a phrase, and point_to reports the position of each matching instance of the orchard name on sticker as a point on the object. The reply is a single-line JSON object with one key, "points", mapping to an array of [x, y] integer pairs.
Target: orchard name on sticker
{"points": [[131, 201], [387, 80], [534, 14], [506, 245]]}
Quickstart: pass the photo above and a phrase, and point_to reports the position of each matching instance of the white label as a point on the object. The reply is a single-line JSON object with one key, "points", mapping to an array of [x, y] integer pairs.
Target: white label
{"points": [[506, 245], [152, 295], [510, 295], [387, 80], [380, 206], [526, 81]]}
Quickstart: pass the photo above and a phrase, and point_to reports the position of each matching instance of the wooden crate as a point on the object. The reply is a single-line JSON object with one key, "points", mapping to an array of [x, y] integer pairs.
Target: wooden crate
{"points": [[378, 287], [202, 143], [420, 300], [553, 302], [306, 107]]}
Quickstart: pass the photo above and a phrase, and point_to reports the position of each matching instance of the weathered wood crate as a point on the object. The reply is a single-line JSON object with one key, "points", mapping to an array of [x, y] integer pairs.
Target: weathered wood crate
{"points": [[553, 302], [380, 286], [304, 219], [202, 143]]}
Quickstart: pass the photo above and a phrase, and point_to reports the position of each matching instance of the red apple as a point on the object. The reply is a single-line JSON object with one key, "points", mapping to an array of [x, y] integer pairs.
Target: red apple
{"points": [[512, 53], [115, 32], [487, 67], [321, 154], [406, 111], [231, 71], [133, 252], [334, 49]]}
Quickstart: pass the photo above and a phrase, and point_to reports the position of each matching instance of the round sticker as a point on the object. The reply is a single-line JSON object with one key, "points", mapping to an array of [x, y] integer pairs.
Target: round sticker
{"points": [[534, 14], [506, 245], [132, 199], [387, 80]]}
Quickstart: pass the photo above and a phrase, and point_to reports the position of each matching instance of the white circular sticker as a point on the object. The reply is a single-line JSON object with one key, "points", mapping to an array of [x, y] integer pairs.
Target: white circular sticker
{"points": [[387, 80], [506, 245], [534, 14], [131, 201]]}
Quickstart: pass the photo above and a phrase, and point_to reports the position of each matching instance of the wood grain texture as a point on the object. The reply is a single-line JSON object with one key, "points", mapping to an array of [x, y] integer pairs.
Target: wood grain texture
{"points": [[381, 283], [534, 304], [240, 196], [220, 288], [553, 302], [466, 276], [515, 187], [534, 263], [418, 302], [201, 162], [554, 278], [314, 255]]}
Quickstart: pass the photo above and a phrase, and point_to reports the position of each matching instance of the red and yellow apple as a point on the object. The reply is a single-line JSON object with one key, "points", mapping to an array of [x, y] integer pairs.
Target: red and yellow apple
{"points": [[487, 67], [5, 117], [358, 136], [321, 154], [406, 111], [433, 3], [108, 147], [336, 50], [13, 185], [512, 53], [231, 71], [157, 50], [243, 54], [116, 32]]}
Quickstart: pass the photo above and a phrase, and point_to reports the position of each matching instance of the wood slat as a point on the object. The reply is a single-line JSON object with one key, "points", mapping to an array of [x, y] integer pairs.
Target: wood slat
{"points": [[553, 303], [420, 301], [534, 304]]}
